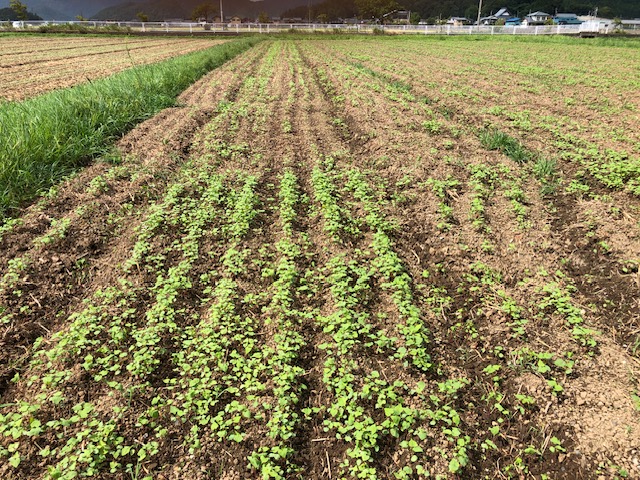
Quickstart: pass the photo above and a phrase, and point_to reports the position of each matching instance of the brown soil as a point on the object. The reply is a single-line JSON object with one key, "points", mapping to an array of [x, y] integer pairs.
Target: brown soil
{"points": [[550, 242], [34, 69], [62, 274], [288, 106]]}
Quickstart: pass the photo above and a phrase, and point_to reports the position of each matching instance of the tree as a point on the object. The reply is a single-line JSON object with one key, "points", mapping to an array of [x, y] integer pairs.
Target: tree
{"points": [[414, 19], [263, 17], [19, 8], [8, 14], [204, 10], [471, 13], [331, 9], [375, 9], [143, 17], [605, 12]]}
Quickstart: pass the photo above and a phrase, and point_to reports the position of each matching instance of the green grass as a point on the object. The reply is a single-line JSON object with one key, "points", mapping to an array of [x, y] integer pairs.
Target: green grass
{"points": [[46, 138], [493, 139]]}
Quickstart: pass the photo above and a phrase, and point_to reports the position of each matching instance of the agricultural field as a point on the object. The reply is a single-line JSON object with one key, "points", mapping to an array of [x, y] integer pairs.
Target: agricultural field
{"points": [[371, 258], [32, 65]]}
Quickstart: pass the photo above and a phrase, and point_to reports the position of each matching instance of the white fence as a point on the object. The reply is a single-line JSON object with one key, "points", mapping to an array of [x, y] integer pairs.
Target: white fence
{"points": [[189, 27]]}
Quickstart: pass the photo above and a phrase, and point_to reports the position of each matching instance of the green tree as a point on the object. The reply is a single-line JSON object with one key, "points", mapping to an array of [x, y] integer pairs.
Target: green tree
{"points": [[204, 10], [333, 9], [143, 17], [19, 8], [415, 18], [471, 13], [263, 17], [605, 12], [375, 9]]}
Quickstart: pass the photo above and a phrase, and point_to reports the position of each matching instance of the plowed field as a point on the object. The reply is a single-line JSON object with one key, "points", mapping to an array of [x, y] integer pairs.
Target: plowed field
{"points": [[371, 258], [33, 65]]}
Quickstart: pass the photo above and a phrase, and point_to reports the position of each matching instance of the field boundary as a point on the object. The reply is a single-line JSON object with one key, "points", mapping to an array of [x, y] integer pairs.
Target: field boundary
{"points": [[45, 138], [195, 28]]}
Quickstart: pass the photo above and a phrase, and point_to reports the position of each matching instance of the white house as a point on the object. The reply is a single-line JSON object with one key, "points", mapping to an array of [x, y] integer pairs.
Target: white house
{"points": [[537, 18], [458, 21], [631, 24]]}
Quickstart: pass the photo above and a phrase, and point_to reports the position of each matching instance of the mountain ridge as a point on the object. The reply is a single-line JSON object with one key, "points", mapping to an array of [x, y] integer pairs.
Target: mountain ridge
{"points": [[157, 10], [154, 9], [64, 9]]}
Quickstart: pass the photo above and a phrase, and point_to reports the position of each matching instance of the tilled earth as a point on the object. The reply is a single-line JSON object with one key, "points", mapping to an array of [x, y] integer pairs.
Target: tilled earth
{"points": [[315, 267], [33, 65]]}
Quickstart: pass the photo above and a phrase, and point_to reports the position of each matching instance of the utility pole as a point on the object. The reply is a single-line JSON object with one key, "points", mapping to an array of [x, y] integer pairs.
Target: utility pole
{"points": [[221, 14], [309, 10], [479, 10]]}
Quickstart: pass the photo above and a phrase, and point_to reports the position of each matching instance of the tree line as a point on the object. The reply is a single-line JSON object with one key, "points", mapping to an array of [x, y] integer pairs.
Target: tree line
{"points": [[17, 11], [333, 10]]}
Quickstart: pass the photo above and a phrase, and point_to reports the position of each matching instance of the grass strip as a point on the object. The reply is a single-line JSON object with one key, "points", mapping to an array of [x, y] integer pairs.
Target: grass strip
{"points": [[493, 139], [46, 138]]}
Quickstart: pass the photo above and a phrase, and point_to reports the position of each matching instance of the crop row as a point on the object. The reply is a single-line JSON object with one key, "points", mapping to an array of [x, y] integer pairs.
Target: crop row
{"points": [[373, 294], [349, 84], [600, 150], [132, 50], [126, 350], [48, 137]]}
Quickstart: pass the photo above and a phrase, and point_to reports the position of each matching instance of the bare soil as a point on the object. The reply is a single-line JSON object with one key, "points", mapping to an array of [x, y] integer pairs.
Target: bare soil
{"points": [[33, 65], [501, 270]]}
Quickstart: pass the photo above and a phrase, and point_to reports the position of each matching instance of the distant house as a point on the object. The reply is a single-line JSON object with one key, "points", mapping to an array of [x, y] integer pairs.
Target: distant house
{"points": [[235, 21], [537, 18], [566, 19], [397, 16], [458, 21], [631, 24], [502, 14], [597, 23]]}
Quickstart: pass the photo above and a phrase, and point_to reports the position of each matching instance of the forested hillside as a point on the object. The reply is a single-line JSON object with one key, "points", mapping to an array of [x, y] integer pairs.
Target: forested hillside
{"points": [[329, 9], [165, 9], [335, 9], [8, 14]]}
